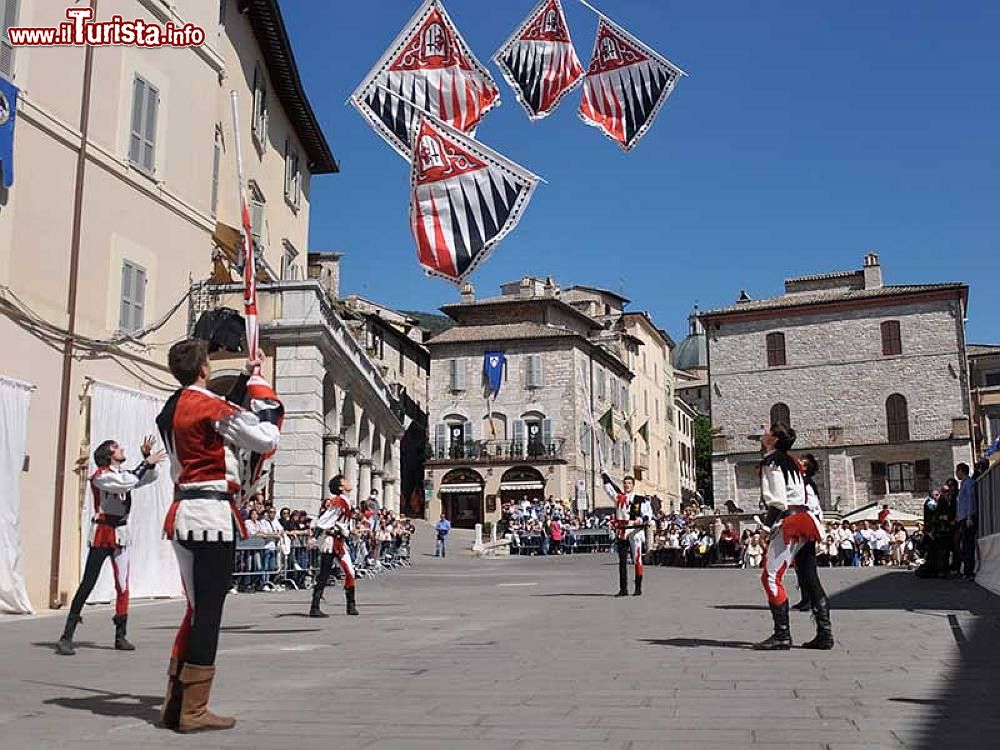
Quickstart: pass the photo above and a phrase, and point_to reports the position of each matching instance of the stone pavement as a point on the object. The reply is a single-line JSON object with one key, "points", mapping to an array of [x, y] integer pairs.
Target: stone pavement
{"points": [[529, 654]]}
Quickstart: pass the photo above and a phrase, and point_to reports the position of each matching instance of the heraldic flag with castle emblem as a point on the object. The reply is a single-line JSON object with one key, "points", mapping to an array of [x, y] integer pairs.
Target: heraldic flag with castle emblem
{"points": [[626, 85], [464, 198], [539, 61], [430, 66]]}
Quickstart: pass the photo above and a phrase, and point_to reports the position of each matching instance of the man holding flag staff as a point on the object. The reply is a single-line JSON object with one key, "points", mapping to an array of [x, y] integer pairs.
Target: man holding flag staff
{"points": [[632, 515]]}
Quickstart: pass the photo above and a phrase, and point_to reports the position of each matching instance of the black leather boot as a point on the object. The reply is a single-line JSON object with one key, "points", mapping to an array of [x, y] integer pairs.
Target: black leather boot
{"points": [[121, 642], [351, 608], [638, 586], [314, 610], [824, 632], [781, 638], [803, 606], [65, 645]]}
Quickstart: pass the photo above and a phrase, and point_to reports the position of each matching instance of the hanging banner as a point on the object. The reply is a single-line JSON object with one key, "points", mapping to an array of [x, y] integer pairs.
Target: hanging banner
{"points": [[539, 62], [626, 85], [493, 366], [8, 111], [429, 65], [464, 198]]}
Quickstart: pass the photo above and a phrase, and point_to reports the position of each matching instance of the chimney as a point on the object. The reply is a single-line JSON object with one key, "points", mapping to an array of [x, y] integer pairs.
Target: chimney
{"points": [[325, 267], [468, 294], [872, 271], [526, 290]]}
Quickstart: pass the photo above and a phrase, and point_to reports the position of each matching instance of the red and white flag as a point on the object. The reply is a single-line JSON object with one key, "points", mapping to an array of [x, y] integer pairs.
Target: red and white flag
{"points": [[430, 66], [539, 61], [626, 85], [464, 198]]}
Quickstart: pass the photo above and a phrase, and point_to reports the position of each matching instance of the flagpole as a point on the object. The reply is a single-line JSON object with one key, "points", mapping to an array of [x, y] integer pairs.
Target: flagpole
{"points": [[610, 20], [438, 121], [249, 259]]}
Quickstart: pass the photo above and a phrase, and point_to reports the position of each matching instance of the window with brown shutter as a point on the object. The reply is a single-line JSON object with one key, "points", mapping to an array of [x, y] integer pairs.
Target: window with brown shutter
{"points": [[781, 414], [898, 419], [922, 469], [776, 350], [877, 484], [891, 341]]}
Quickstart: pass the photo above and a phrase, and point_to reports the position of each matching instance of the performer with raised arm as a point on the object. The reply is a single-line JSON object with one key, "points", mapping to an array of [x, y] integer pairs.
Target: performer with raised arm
{"points": [[334, 528], [111, 487], [792, 524], [632, 515], [209, 439]]}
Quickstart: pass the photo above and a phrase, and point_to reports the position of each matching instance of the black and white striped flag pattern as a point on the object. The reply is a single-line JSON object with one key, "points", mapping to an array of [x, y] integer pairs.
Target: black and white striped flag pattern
{"points": [[464, 198], [626, 85], [429, 65], [539, 61]]}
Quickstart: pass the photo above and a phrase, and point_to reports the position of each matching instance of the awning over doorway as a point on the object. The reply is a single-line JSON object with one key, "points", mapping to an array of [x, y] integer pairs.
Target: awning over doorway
{"points": [[457, 488], [522, 485]]}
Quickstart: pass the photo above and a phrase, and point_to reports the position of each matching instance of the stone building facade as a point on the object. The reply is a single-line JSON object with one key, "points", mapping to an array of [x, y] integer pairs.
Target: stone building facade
{"points": [[126, 189], [873, 378], [534, 439]]}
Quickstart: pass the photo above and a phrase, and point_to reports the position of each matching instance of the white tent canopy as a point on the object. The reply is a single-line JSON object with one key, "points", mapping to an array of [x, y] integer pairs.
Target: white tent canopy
{"points": [[126, 416], [15, 398]]}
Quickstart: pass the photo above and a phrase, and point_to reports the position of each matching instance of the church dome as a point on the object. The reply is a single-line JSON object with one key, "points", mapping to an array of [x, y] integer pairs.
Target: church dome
{"points": [[692, 353]]}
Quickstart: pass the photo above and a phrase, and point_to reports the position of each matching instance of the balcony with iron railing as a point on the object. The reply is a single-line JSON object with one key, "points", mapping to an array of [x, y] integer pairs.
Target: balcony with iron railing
{"points": [[498, 451], [833, 436]]}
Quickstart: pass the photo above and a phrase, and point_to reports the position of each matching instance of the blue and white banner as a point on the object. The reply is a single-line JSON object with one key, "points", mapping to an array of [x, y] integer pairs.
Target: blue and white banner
{"points": [[8, 108], [493, 365]]}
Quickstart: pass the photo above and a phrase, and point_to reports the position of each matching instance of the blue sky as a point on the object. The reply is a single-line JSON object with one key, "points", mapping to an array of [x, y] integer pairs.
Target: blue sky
{"points": [[806, 135]]}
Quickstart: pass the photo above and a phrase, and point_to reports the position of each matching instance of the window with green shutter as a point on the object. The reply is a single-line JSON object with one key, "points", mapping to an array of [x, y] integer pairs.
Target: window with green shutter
{"points": [[8, 18], [133, 298]]}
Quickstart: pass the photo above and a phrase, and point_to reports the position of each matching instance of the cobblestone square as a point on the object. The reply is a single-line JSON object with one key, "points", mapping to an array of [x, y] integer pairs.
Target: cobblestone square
{"points": [[534, 653]]}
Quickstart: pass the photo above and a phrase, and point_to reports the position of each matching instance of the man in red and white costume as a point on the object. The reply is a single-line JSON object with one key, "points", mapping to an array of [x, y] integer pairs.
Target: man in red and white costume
{"points": [[334, 525], [111, 488], [791, 523], [632, 515], [209, 440]]}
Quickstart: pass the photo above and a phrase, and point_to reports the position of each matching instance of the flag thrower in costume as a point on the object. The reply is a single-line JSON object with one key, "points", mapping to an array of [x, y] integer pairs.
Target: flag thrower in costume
{"points": [[626, 85], [464, 198], [428, 66], [539, 61], [249, 254]]}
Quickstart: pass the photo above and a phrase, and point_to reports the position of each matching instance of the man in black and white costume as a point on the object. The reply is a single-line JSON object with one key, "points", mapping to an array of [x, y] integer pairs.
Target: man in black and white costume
{"points": [[632, 515]]}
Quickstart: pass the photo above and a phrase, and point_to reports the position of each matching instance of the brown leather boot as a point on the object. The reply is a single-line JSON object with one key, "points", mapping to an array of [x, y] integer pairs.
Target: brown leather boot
{"points": [[196, 687], [170, 714]]}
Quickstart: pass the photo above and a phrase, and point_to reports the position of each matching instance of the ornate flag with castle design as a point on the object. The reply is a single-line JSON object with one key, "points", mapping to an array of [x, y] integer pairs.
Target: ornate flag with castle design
{"points": [[464, 198], [626, 85], [429, 65], [539, 61]]}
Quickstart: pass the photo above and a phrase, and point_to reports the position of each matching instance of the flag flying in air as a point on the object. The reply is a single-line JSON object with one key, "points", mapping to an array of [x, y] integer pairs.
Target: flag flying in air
{"points": [[429, 65], [464, 198], [493, 366], [539, 61], [626, 85]]}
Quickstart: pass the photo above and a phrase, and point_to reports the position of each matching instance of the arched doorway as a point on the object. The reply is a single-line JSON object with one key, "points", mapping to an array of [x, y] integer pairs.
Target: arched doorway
{"points": [[462, 498], [522, 483]]}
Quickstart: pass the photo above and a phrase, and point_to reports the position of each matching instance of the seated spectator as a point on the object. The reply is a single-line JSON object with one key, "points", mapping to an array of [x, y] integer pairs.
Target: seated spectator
{"points": [[728, 544], [753, 554]]}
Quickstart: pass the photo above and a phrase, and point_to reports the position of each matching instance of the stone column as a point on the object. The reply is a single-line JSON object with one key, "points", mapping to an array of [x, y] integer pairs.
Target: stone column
{"points": [[379, 486], [331, 456], [390, 494], [350, 455], [298, 464], [364, 478]]}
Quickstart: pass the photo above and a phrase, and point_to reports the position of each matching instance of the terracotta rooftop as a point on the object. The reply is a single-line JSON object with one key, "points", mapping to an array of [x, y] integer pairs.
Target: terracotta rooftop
{"points": [[826, 296]]}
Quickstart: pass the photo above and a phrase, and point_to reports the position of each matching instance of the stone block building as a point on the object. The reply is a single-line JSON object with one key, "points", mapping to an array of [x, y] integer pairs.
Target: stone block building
{"points": [[984, 379], [872, 376], [574, 357]]}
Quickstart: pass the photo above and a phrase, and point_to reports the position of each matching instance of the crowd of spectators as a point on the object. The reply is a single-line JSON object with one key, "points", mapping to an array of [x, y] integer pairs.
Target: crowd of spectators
{"points": [[283, 548]]}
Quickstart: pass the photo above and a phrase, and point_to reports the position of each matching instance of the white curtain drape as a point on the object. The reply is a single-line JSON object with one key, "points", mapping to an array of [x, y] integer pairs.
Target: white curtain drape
{"points": [[126, 416], [15, 398]]}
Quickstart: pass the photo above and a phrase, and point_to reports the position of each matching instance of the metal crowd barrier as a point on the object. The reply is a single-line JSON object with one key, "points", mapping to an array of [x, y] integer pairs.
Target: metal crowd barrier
{"points": [[988, 495], [255, 569], [573, 542]]}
